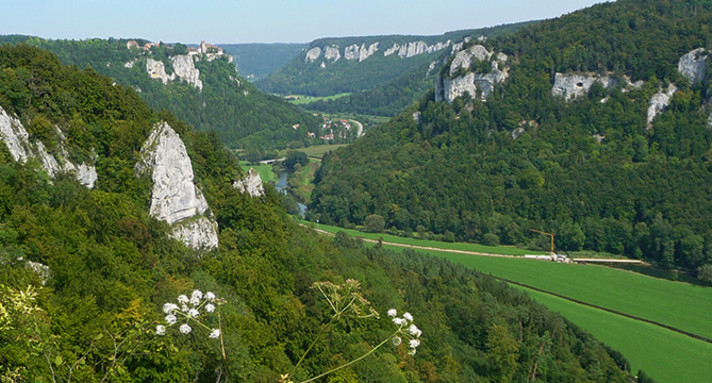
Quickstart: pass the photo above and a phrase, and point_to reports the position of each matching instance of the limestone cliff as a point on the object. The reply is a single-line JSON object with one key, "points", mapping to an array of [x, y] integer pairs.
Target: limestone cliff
{"points": [[693, 65], [462, 79], [251, 183], [183, 69], [175, 198], [659, 102], [17, 140]]}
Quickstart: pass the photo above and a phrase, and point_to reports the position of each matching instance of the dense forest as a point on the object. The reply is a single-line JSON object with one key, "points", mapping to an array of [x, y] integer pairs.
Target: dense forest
{"points": [[87, 277], [256, 61], [407, 88], [241, 115], [591, 170]]}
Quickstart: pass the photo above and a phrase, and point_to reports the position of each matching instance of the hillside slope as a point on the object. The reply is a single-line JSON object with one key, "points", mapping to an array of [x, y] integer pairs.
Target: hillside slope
{"points": [[593, 126], [202, 88], [86, 268], [256, 61]]}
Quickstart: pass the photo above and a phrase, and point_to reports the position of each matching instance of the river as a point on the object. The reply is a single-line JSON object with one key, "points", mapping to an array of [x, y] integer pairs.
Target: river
{"points": [[281, 187]]}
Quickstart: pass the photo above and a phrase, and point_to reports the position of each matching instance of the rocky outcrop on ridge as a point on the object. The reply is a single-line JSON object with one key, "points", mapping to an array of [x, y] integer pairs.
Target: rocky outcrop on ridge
{"points": [[17, 140], [251, 183], [457, 83], [573, 85], [362, 52], [659, 102], [183, 69], [693, 65], [175, 198]]}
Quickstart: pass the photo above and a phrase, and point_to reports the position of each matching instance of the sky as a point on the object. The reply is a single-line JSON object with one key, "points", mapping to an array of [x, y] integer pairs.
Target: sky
{"points": [[265, 21]]}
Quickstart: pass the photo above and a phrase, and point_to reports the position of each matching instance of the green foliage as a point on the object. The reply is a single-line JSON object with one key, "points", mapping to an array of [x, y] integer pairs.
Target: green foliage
{"points": [[295, 158], [255, 61], [374, 223], [639, 192], [241, 115]]}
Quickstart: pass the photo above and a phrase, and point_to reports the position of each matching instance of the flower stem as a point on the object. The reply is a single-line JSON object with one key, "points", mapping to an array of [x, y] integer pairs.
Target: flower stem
{"points": [[353, 361]]}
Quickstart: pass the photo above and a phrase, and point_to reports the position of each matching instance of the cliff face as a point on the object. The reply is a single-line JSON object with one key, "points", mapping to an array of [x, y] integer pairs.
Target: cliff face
{"points": [[183, 69], [17, 140], [175, 198], [251, 183], [463, 79]]}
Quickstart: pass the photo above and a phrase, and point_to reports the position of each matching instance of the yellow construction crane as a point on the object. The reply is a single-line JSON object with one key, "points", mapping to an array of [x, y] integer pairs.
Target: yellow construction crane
{"points": [[550, 235]]}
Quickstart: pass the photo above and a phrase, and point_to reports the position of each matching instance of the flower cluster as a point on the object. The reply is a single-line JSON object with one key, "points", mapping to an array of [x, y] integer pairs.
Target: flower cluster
{"points": [[189, 309], [406, 329]]}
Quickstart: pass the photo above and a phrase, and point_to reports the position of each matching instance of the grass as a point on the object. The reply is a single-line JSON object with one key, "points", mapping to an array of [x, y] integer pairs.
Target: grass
{"points": [[664, 355], [303, 100], [265, 171], [315, 151], [305, 176], [474, 247]]}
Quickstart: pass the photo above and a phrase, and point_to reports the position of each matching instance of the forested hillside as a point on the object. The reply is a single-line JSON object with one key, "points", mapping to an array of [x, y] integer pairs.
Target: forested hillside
{"points": [[255, 61], [409, 87], [332, 66], [593, 126], [88, 278], [241, 115]]}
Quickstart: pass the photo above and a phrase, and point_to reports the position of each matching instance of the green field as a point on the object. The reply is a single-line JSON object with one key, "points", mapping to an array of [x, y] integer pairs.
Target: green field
{"points": [[681, 305], [315, 151], [265, 171], [474, 247], [303, 100], [664, 355]]}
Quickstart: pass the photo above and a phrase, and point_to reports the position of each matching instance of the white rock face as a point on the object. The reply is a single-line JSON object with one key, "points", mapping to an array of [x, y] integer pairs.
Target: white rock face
{"points": [[40, 269], [312, 55], [184, 68], [332, 53], [571, 86], [448, 89], [157, 70], [252, 184], [391, 50], [659, 102], [352, 52], [175, 197], [366, 53], [17, 140], [693, 65], [197, 233]]}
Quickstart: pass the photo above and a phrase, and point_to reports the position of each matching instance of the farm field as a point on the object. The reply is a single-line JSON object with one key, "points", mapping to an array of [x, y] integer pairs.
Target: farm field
{"points": [[474, 247], [664, 355], [303, 100], [675, 304]]}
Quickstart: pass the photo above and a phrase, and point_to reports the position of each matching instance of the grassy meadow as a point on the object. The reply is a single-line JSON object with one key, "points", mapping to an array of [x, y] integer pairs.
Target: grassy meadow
{"points": [[265, 171], [665, 355]]}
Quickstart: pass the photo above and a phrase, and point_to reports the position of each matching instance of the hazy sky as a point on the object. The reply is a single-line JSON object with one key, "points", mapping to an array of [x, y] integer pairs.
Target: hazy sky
{"points": [[240, 21]]}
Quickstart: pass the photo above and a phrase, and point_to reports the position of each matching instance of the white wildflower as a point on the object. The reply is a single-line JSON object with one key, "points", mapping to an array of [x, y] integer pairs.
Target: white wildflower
{"points": [[414, 330], [210, 296], [392, 312], [185, 329], [193, 313], [197, 294], [408, 317], [194, 301], [160, 330], [411, 352], [209, 307], [183, 299], [397, 340], [399, 321], [184, 308], [215, 333], [169, 308], [414, 343], [171, 319]]}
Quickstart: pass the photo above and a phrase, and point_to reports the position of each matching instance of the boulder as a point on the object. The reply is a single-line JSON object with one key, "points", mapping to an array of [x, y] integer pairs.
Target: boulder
{"points": [[251, 183]]}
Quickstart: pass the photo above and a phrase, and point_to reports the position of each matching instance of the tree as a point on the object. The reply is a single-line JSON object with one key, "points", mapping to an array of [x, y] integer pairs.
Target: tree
{"points": [[374, 223], [295, 158]]}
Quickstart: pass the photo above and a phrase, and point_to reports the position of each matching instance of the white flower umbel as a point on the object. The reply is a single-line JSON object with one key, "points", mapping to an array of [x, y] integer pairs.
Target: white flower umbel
{"points": [[408, 330], [392, 312], [192, 312], [408, 317], [185, 329]]}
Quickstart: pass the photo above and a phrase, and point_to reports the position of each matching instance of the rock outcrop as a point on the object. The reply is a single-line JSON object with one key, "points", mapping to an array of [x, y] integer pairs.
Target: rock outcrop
{"points": [[332, 53], [175, 197], [251, 183], [415, 48], [573, 85], [461, 79], [659, 102], [693, 65], [17, 140], [312, 55], [360, 53], [183, 67]]}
